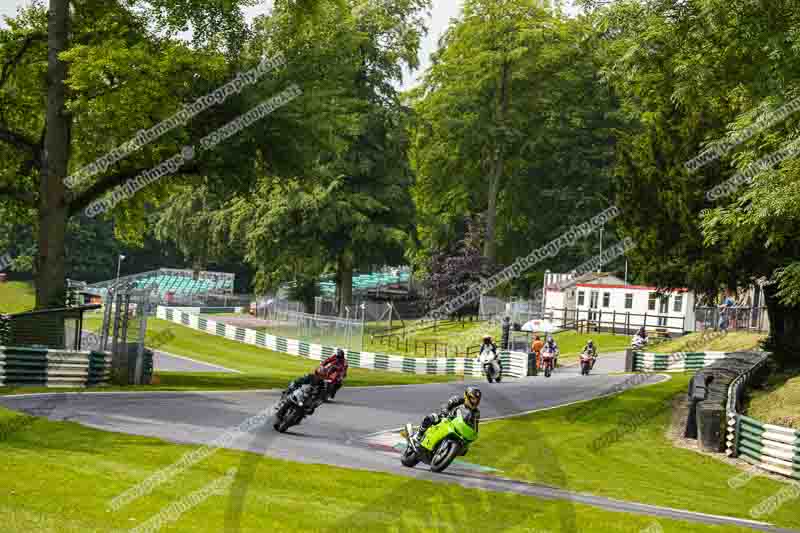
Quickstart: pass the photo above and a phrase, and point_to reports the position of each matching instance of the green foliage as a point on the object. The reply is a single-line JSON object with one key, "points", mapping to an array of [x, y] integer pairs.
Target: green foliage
{"points": [[553, 137], [691, 76], [333, 185]]}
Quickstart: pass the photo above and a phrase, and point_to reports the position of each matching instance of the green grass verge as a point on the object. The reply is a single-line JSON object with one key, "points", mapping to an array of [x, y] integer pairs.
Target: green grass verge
{"points": [[712, 342], [633, 461], [779, 402], [59, 477], [16, 297]]}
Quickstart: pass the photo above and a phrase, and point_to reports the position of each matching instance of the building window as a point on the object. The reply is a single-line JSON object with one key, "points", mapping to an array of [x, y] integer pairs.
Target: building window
{"points": [[651, 302], [678, 305], [606, 299], [629, 301], [580, 298]]}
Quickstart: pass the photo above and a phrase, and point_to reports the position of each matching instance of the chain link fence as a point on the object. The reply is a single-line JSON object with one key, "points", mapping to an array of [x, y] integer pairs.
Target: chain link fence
{"points": [[325, 330], [518, 310], [732, 318]]}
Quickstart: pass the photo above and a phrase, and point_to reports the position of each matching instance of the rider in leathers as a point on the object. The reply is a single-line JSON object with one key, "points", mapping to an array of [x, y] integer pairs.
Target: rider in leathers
{"points": [[336, 366], [317, 382], [590, 349], [469, 401], [489, 353]]}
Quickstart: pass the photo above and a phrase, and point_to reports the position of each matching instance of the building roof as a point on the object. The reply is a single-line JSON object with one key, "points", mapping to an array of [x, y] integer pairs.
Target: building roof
{"points": [[628, 287], [586, 278]]}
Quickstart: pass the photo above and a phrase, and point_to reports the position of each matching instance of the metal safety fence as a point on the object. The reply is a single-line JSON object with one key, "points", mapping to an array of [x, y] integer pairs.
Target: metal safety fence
{"points": [[767, 446], [328, 330], [731, 318]]}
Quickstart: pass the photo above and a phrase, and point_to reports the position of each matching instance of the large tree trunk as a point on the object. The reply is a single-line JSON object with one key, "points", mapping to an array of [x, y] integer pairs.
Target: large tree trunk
{"points": [[345, 281], [52, 197], [784, 328], [498, 166]]}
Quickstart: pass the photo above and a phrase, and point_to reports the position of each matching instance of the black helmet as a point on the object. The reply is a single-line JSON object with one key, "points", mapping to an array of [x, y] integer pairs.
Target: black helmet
{"points": [[472, 397], [340, 353]]}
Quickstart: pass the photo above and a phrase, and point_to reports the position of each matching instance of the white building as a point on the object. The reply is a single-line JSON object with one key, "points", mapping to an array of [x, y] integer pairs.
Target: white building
{"points": [[606, 302]]}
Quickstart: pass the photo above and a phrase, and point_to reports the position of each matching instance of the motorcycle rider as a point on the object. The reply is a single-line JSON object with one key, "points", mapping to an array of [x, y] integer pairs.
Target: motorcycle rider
{"points": [[551, 346], [318, 389], [470, 401], [640, 339], [590, 349], [489, 353], [336, 366]]}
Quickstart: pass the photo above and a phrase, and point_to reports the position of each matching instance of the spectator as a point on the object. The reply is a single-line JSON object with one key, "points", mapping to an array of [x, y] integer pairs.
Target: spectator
{"points": [[536, 348], [725, 310]]}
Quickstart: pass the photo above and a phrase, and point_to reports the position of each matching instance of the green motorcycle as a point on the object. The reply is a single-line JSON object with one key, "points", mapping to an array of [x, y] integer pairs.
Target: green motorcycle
{"points": [[443, 442]]}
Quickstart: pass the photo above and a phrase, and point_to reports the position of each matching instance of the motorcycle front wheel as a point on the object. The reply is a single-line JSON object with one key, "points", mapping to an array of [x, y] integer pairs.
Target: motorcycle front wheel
{"points": [[445, 453], [409, 458], [287, 421]]}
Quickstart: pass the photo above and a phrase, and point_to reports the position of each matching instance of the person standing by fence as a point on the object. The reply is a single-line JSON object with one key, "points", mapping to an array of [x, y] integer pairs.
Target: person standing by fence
{"points": [[725, 310]]}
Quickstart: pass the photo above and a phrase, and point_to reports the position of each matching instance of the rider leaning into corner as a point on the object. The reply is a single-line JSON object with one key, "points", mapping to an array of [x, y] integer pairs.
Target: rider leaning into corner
{"points": [[317, 381], [336, 367], [470, 412]]}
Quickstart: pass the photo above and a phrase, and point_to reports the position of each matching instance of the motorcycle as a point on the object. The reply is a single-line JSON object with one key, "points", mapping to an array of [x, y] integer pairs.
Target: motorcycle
{"points": [[333, 383], [294, 406], [492, 368], [443, 442], [587, 363], [548, 362]]}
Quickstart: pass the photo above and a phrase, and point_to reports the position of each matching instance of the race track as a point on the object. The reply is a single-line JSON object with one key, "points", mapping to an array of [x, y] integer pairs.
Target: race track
{"points": [[344, 433]]}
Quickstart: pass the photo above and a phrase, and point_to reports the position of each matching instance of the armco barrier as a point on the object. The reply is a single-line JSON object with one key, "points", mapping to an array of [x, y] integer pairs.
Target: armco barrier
{"points": [[672, 362], [53, 368], [770, 447], [515, 364]]}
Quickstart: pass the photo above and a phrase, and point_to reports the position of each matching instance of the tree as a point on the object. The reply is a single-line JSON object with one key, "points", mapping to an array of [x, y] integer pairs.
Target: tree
{"points": [[556, 138], [341, 202], [101, 58], [453, 272], [478, 105], [691, 76]]}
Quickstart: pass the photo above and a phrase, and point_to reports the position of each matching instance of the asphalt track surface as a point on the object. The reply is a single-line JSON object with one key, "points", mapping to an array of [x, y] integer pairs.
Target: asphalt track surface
{"points": [[340, 432], [168, 362]]}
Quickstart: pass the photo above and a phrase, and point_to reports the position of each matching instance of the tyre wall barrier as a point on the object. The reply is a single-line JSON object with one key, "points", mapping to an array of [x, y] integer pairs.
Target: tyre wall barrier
{"points": [[766, 446], [53, 368], [672, 362], [709, 391], [515, 364]]}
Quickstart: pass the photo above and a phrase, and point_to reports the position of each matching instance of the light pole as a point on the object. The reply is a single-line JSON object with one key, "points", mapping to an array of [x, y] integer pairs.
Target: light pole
{"points": [[120, 259], [601, 245], [544, 290]]}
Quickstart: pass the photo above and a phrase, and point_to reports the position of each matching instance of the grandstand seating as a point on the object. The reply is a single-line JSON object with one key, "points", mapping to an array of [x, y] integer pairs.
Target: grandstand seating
{"points": [[183, 286], [366, 282], [180, 286]]}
